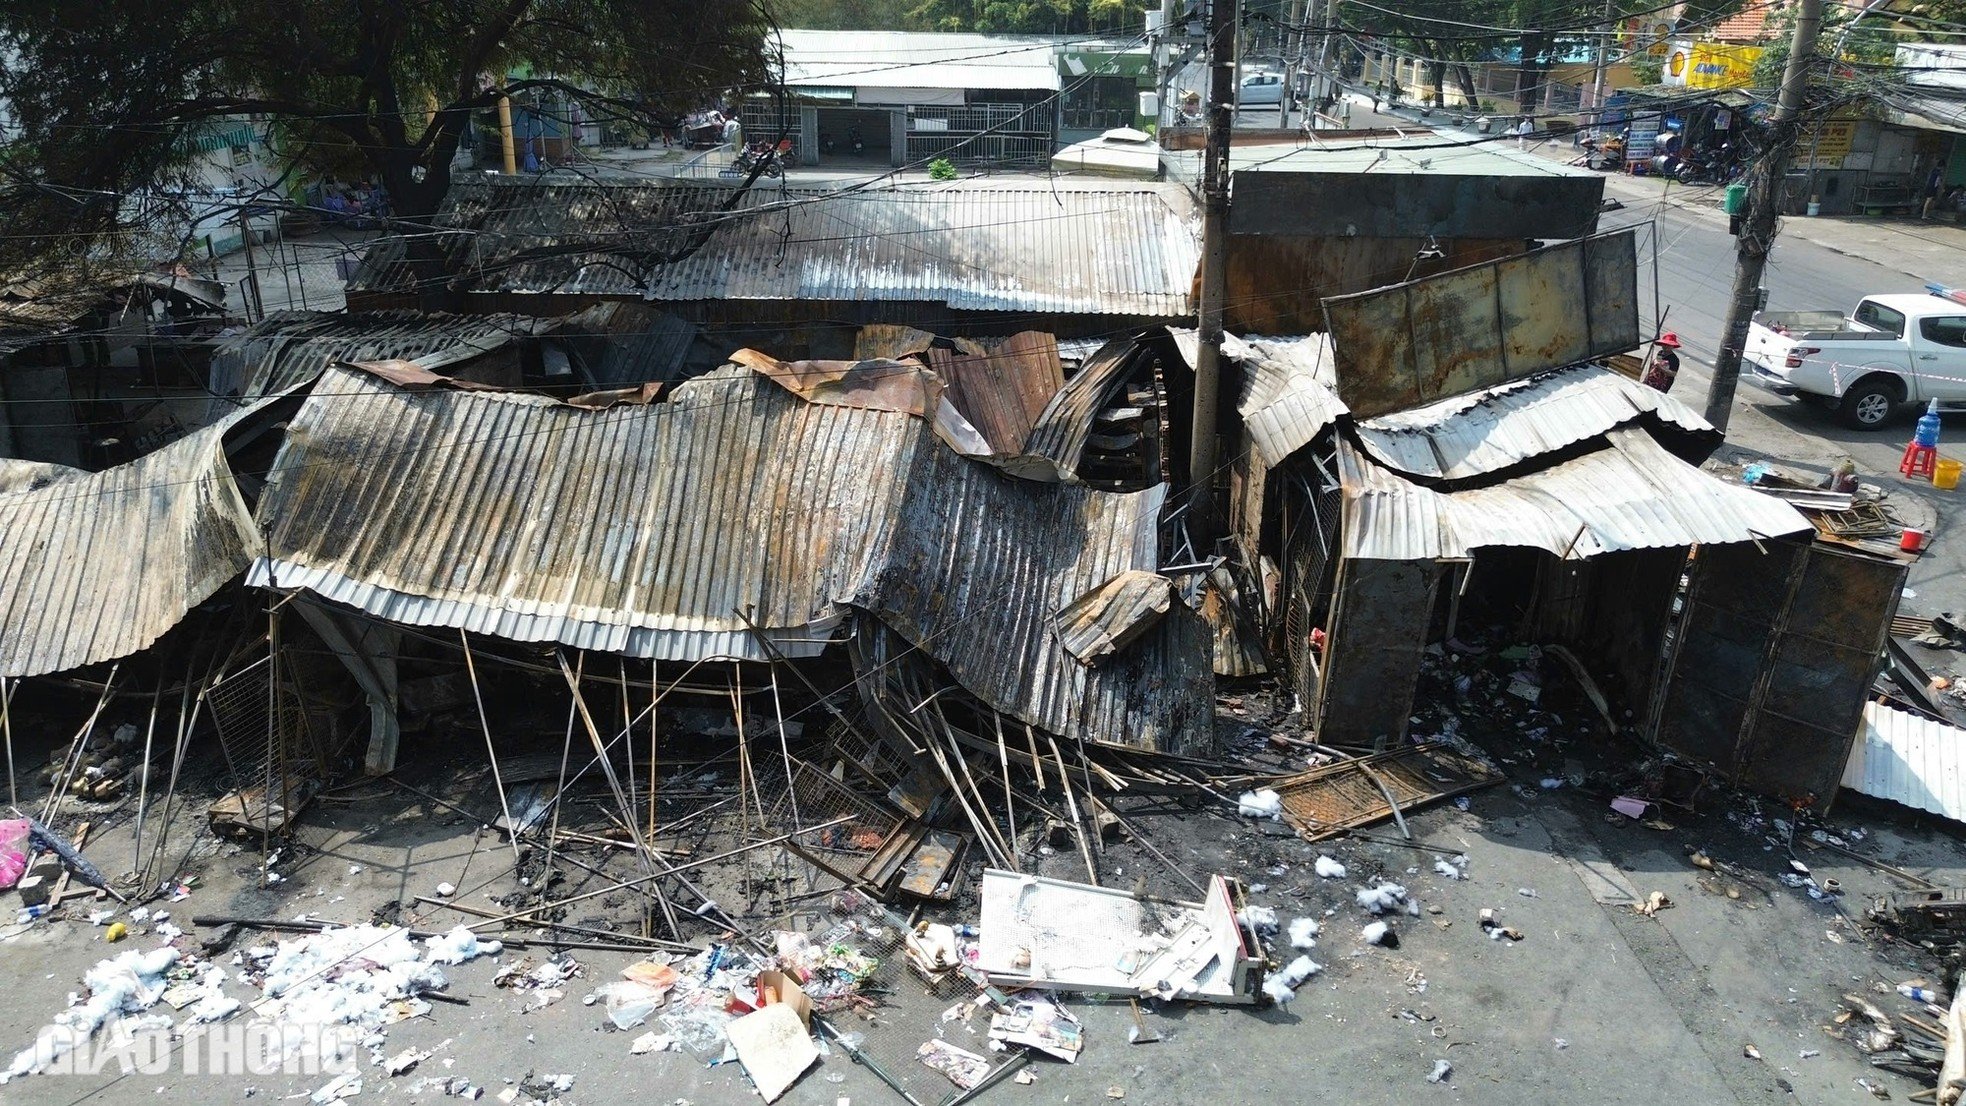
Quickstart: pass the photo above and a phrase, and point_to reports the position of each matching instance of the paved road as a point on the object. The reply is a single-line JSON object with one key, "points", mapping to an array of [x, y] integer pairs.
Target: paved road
{"points": [[1694, 261]]}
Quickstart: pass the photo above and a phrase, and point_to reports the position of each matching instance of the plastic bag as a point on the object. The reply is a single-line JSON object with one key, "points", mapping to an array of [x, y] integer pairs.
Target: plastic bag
{"points": [[629, 1004], [14, 833]]}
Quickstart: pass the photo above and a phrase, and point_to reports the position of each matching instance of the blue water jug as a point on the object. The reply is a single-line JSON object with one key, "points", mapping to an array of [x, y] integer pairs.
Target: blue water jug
{"points": [[1927, 433]]}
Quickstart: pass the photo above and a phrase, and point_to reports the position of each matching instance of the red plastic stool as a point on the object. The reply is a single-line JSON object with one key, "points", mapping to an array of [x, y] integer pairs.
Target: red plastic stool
{"points": [[1920, 460]]}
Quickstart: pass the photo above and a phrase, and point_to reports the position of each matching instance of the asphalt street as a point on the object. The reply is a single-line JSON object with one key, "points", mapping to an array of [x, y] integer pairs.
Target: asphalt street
{"points": [[1684, 240]]}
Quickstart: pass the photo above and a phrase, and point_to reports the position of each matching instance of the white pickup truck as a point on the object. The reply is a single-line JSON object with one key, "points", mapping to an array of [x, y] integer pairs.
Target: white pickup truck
{"points": [[1891, 350]]}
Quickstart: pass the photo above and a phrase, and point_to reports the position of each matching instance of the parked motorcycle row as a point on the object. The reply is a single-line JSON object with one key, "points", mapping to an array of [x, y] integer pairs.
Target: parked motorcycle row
{"points": [[1719, 164]]}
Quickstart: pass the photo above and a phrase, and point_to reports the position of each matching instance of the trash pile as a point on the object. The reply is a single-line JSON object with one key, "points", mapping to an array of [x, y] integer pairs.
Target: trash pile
{"points": [[1924, 1039], [361, 977]]}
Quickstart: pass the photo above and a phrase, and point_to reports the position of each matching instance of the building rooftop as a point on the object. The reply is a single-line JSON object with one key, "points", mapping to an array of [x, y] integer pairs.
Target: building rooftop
{"points": [[918, 59]]}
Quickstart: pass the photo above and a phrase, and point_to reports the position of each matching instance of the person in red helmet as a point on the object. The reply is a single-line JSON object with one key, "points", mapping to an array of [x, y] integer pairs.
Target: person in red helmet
{"points": [[1665, 363]]}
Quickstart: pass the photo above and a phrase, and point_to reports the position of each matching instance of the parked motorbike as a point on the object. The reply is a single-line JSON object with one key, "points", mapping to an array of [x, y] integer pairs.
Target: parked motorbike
{"points": [[1606, 154], [826, 143], [749, 158], [853, 140]]}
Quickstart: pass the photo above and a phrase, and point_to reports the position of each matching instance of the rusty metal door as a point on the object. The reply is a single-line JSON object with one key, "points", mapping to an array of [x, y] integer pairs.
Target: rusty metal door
{"points": [[1775, 652], [1379, 622]]}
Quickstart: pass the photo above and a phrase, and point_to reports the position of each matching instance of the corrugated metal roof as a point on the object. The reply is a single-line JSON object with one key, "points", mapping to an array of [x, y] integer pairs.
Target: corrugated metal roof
{"points": [[1112, 616], [1002, 387], [1062, 429], [1485, 432], [1631, 495], [646, 530], [1122, 249], [618, 344], [1288, 400], [1911, 760], [288, 348], [100, 565], [918, 59]]}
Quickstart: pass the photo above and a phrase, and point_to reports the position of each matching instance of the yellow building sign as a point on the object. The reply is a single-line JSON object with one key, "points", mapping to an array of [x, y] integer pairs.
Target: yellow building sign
{"points": [[1716, 65]]}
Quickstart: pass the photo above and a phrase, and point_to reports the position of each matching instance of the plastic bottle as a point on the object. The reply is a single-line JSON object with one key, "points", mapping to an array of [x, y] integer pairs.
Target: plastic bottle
{"points": [[1918, 994], [30, 913], [1927, 433]]}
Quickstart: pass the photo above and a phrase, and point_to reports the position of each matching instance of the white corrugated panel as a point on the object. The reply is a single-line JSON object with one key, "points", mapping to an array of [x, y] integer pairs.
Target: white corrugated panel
{"points": [[1631, 495], [1487, 431], [1911, 760]]}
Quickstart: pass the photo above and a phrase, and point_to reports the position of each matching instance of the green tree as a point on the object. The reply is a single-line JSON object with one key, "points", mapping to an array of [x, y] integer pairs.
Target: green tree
{"points": [[105, 93], [1072, 17]]}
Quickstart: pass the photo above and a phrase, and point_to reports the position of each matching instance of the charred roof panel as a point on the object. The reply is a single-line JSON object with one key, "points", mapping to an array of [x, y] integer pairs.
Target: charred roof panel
{"points": [[100, 565], [1631, 495], [655, 531]]}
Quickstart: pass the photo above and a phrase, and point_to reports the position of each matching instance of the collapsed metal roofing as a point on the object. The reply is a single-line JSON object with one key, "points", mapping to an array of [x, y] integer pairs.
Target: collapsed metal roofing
{"points": [[288, 348], [1632, 494], [1120, 249], [1909, 759], [658, 531], [1488, 431], [100, 565], [1289, 398]]}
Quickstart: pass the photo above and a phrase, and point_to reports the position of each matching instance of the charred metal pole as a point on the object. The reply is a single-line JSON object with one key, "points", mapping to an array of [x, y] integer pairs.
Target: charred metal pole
{"points": [[1758, 227], [1204, 524]]}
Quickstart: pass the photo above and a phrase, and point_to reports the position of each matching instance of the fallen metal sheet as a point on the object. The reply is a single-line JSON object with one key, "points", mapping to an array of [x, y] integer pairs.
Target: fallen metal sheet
{"points": [[1053, 934], [1329, 800], [27, 476], [1495, 429], [1633, 494], [658, 531], [98, 566], [1113, 616], [1002, 387], [1423, 340], [288, 348], [1062, 429], [1289, 395], [890, 340], [1910, 760]]}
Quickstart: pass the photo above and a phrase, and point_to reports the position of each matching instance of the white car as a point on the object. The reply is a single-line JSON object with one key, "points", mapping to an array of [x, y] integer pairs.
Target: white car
{"points": [[1261, 88], [1891, 350]]}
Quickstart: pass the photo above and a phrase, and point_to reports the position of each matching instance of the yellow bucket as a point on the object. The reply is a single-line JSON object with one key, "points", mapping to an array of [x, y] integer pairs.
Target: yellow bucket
{"points": [[1946, 473]]}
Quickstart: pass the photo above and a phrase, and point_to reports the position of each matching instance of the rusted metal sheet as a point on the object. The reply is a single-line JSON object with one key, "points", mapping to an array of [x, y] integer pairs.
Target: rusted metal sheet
{"points": [[1113, 616], [98, 566], [655, 531], [1002, 387], [1632, 494], [1773, 661], [1062, 429], [890, 340], [1333, 798], [1378, 630], [907, 387], [1414, 343]]}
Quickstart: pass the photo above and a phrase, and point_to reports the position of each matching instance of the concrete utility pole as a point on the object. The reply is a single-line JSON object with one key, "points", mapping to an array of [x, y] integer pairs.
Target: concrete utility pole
{"points": [[505, 135], [1598, 62], [1327, 57], [1203, 524], [1293, 57], [1758, 223]]}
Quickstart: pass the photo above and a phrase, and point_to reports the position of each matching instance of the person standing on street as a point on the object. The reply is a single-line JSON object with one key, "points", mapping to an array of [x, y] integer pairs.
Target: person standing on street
{"points": [[1664, 368]]}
